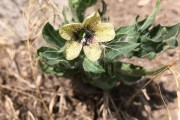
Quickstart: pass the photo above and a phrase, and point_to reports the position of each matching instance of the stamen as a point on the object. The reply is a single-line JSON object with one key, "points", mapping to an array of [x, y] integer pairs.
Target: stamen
{"points": [[86, 39], [83, 39]]}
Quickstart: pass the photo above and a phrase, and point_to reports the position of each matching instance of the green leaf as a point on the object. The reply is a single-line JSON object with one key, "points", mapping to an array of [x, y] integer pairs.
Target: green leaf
{"points": [[92, 67], [49, 69], [51, 57], [58, 71], [78, 8], [120, 48], [52, 36], [150, 49], [131, 73], [127, 72], [43, 49], [155, 34], [124, 72], [170, 39], [151, 18], [67, 64], [104, 82], [158, 39], [129, 30], [136, 70]]}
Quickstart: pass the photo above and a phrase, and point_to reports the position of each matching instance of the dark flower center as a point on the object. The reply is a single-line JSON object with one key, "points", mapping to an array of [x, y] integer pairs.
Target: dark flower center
{"points": [[84, 36]]}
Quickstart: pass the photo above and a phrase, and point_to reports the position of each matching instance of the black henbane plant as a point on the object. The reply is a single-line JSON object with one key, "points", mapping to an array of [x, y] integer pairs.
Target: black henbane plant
{"points": [[90, 48]]}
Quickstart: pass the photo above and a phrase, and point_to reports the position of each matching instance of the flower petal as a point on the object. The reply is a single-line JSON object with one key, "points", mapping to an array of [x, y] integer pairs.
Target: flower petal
{"points": [[67, 31], [92, 20], [72, 50], [92, 51], [104, 32]]}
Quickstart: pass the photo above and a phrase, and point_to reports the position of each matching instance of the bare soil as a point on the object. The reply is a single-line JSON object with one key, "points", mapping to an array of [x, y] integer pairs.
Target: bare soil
{"points": [[28, 94]]}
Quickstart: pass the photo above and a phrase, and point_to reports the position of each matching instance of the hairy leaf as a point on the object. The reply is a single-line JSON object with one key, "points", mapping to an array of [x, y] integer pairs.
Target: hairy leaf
{"points": [[43, 49], [120, 48], [151, 18], [49, 69], [52, 36], [56, 70], [51, 57], [159, 39], [130, 30], [92, 67], [170, 38]]}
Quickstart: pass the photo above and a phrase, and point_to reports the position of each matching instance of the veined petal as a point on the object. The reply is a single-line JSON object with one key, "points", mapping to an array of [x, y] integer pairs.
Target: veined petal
{"points": [[72, 49], [92, 20], [104, 32], [67, 31], [92, 51]]}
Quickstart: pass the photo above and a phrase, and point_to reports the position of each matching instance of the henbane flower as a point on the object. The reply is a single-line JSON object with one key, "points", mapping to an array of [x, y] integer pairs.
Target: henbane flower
{"points": [[87, 36]]}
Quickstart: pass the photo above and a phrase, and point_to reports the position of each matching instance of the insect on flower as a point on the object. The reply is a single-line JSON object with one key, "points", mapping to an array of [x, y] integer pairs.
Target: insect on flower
{"points": [[86, 36]]}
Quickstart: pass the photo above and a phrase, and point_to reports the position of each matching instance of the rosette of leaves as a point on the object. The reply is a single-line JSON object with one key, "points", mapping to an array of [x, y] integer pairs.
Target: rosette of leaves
{"points": [[138, 40]]}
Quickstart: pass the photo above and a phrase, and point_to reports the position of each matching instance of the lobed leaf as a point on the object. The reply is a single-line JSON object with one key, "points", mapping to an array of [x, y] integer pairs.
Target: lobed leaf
{"points": [[159, 39]]}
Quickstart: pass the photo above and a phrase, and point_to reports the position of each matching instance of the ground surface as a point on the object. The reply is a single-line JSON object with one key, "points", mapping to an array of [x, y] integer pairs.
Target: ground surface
{"points": [[28, 94]]}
